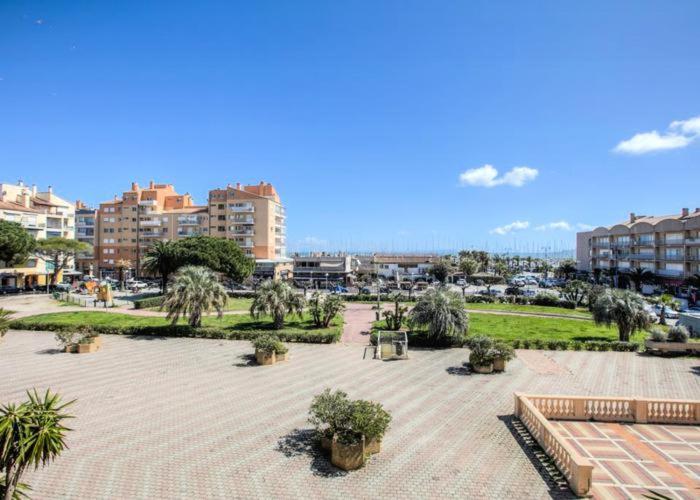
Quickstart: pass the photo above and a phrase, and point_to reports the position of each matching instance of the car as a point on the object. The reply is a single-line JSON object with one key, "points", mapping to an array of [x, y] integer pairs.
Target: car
{"points": [[529, 293], [339, 289], [61, 287], [365, 290], [668, 312], [7, 290], [530, 280]]}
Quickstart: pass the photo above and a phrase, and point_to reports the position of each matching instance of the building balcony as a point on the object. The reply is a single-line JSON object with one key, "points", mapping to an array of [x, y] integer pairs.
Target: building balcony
{"points": [[148, 203], [243, 232], [692, 241], [672, 241], [151, 235], [677, 258], [669, 272], [643, 243], [621, 244], [599, 244], [247, 208], [187, 222], [642, 256], [150, 223], [245, 243]]}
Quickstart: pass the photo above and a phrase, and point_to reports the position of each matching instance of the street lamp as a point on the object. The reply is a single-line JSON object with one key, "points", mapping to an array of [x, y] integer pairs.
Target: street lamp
{"points": [[326, 281]]}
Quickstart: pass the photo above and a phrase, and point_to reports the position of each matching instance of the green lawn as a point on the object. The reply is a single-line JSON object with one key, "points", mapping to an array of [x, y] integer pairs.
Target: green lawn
{"points": [[229, 323], [522, 327], [574, 313], [231, 305]]}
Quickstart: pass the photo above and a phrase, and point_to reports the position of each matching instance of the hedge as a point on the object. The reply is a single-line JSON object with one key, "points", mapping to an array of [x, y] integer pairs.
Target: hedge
{"points": [[576, 345], [156, 301], [205, 332], [419, 339]]}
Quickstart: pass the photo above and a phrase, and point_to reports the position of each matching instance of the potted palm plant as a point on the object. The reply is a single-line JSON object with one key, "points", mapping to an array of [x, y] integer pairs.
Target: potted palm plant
{"points": [[482, 354], [502, 353], [269, 350]]}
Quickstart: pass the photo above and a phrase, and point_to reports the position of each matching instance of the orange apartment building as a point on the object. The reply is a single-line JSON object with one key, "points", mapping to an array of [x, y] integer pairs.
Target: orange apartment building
{"points": [[253, 216]]}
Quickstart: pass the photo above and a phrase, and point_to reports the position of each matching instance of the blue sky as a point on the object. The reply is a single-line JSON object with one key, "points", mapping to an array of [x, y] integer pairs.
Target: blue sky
{"points": [[376, 121]]}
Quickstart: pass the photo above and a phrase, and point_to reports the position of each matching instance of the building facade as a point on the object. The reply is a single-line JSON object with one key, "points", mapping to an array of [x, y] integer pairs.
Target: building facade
{"points": [[252, 216], [85, 231], [667, 245], [400, 267], [44, 215], [317, 269]]}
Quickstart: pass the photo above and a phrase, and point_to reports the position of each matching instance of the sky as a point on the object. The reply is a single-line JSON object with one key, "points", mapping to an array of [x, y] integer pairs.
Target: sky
{"points": [[385, 126]]}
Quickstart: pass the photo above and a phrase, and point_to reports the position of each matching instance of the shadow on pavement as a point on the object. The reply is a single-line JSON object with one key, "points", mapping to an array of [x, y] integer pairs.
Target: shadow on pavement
{"points": [[302, 442]]}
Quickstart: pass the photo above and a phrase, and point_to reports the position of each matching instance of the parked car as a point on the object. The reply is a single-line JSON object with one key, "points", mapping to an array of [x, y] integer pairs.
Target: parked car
{"points": [[61, 287], [339, 289], [461, 282], [669, 313], [365, 290], [530, 280], [7, 290]]}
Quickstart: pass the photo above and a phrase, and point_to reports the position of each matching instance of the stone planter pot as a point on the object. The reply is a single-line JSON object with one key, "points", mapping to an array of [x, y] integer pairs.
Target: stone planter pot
{"points": [[87, 348], [265, 358], [281, 357], [499, 365], [348, 456], [483, 368], [373, 445], [71, 348]]}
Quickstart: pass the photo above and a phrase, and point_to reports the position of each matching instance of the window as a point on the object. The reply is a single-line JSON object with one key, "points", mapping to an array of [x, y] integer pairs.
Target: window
{"points": [[221, 217], [222, 228], [220, 206]]}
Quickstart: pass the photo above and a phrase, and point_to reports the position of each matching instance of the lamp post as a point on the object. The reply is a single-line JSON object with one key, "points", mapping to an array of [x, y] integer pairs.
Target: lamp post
{"points": [[326, 281]]}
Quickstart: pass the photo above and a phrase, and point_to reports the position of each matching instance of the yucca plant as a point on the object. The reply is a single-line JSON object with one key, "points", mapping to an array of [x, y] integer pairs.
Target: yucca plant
{"points": [[4, 322], [276, 299], [622, 308], [442, 313], [193, 292], [31, 434]]}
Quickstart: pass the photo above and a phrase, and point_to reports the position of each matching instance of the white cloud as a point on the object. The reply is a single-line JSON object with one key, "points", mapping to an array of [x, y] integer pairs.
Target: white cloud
{"points": [[487, 176], [680, 133], [513, 226], [584, 227], [561, 225]]}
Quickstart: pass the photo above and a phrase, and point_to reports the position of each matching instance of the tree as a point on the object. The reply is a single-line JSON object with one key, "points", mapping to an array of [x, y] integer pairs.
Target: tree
{"points": [[324, 307], [567, 268], [162, 259], [59, 251], [639, 276], [277, 299], [122, 265], [218, 254], [31, 434], [440, 270], [622, 308], [194, 291], [16, 244], [575, 291], [442, 313], [469, 267]]}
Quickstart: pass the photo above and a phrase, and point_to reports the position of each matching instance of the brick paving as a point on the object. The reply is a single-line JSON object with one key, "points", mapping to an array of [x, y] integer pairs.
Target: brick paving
{"points": [[630, 460], [192, 418]]}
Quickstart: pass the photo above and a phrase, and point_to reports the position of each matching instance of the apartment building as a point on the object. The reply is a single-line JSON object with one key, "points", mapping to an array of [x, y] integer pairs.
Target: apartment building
{"points": [[404, 266], [320, 268], [44, 215], [252, 216], [85, 231], [667, 245], [128, 225]]}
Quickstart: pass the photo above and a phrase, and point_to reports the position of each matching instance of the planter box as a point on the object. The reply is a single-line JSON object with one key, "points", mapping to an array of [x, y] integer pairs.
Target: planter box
{"points": [[282, 357], [483, 368], [499, 365], [86, 348], [326, 443], [672, 346], [348, 457], [265, 358], [373, 445]]}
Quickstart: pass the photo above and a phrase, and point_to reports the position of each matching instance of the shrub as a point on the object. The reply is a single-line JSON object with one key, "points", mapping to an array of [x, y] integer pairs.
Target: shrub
{"points": [[205, 332], [330, 412], [65, 339], [516, 344], [577, 345], [369, 419], [590, 345], [678, 333], [503, 351], [4, 322], [269, 344], [482, 350], [323, 308], [657, 335], [526, 344], [624, 346], [149, 302], [538, 344], [545, 299], [552, 345]]}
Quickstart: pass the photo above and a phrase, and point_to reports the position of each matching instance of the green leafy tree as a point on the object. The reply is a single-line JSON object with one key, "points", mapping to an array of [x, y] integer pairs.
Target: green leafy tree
{"points": [[622, 308], [324, 307], [162, 259], [575, 291], [442, 314], [31, 434], [330, 412], [469, 267], [218, 254], [194, 291], [640, 276], [567, 268], [440, 270], [276, 299], [59, 252], [16, 244]]}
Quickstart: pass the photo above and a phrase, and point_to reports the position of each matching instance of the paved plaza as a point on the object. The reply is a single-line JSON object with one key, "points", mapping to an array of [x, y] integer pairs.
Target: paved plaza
{"points": [[192, 418]]}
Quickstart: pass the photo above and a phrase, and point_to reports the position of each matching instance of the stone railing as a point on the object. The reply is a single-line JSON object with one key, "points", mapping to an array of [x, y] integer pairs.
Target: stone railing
{"points": [[577, 470], [535, 410]]}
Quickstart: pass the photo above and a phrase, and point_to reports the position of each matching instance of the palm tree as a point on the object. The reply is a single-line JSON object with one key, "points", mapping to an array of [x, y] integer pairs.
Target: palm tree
{"points": [[194, 290], [277, 299], [567, 268], [122, 265], [623, 308], [31, 434], [640, 275], [162, 259], [442, 313], [4, 321]]}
